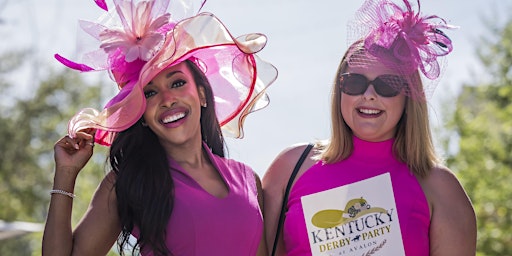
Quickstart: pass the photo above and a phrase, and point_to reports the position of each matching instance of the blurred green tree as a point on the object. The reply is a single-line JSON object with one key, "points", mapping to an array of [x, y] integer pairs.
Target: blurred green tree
{"points": [[29, 127], [482, 120]]}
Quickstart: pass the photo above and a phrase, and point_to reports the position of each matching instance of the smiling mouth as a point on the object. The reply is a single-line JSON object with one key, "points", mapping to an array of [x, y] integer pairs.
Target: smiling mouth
{"points": [[173, 118], [369, 111]]}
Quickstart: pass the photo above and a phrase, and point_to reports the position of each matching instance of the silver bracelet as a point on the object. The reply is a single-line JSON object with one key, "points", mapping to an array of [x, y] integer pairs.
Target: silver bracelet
{"points": [[62, 192]]}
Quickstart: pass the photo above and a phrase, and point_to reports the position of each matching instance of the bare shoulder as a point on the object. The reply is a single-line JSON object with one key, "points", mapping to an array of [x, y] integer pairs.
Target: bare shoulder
{"points": [[442, 187], [452, 215], [442, 180], [448, 199], [274, 184], [105, 196], [280, 169], [107, 184]]}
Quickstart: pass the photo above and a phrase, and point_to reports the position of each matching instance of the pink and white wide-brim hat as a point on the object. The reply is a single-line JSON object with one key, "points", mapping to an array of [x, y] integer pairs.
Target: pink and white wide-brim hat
{"points": [[237, 75]]}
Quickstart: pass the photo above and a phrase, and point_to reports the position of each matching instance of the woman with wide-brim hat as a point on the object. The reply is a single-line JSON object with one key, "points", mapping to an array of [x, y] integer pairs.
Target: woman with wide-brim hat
{"points": [[184, 82]]}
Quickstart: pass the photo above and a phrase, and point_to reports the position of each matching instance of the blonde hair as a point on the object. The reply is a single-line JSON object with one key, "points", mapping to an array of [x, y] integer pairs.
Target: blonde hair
{"points": [[413, 140]]}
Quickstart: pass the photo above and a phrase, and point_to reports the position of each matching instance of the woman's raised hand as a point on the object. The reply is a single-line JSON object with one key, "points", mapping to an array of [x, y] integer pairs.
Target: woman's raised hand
{"points": [[71, 154]]}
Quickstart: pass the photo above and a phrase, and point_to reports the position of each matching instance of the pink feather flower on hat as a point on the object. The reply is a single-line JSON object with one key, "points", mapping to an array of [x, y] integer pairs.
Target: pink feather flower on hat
{"points": [[141, 35], [415, 41]]}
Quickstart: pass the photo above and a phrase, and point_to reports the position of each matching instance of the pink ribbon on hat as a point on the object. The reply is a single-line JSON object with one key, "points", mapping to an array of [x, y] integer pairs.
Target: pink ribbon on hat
{"points": [[415, 41], [101, 4]]}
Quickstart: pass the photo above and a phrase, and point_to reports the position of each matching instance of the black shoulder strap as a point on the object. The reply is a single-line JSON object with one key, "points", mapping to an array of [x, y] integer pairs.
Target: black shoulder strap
{"points": [[287, 191]]}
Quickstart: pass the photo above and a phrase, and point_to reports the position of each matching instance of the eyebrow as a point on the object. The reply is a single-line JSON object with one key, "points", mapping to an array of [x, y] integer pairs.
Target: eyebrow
{"points": [[172, 73], [168, 75]]}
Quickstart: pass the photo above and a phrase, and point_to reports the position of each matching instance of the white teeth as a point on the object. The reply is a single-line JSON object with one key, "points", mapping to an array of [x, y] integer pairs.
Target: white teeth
{"points": [[173, 118], [369, 111]]}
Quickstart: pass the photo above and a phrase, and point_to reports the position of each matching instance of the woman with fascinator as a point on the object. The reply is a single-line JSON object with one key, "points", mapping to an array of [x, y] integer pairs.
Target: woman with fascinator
{"points": [[184, 82], [376, 187]]}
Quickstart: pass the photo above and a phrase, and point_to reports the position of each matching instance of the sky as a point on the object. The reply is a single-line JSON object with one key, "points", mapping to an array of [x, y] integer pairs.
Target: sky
{"points": [[306, 40]]}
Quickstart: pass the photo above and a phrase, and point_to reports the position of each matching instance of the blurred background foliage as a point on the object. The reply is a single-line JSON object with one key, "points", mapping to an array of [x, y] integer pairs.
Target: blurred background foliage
{"points": [[29, 127], [482, 125], [478, 144]]}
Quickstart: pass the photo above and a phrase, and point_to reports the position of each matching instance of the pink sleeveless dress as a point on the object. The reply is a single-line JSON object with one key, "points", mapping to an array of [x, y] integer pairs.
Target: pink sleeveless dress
{"points": [[368, 160], [202, 224]]}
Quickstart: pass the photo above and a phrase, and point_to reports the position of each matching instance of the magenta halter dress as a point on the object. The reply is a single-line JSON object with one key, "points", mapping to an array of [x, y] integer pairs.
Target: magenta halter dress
{"points": [[202, 224], [368, 160]]}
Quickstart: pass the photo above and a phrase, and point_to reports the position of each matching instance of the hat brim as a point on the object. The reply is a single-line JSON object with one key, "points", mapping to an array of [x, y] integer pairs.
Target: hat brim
{"points": [[237, 75]]}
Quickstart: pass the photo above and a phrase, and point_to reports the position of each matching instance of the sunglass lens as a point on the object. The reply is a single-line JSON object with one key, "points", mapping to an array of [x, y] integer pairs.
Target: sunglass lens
{"points": [[354, 84], [388, 85]]}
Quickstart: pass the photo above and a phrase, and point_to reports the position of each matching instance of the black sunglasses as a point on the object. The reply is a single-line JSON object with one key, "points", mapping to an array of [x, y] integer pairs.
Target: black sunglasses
{"points": [[385, 85]]}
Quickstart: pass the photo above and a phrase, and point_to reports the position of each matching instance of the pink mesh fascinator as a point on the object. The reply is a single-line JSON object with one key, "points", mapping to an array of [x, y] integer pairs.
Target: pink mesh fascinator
{"points": [[142, 38], [401, 39]]}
